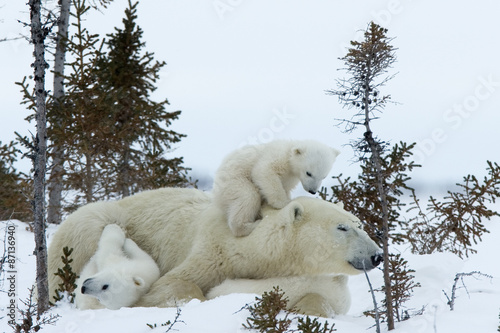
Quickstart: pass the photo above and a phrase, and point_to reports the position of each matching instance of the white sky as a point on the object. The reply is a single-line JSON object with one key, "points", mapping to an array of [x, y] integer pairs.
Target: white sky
{"points": [[242, 71]]}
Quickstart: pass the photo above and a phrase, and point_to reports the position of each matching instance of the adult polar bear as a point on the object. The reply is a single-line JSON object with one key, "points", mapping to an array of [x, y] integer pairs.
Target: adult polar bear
{"points": [[189, 239]]}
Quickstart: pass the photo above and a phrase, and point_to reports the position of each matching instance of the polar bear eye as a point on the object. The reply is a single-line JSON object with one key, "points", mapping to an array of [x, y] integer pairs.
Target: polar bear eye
{"points": [[342, 227], [105, 287], [309, 174]]}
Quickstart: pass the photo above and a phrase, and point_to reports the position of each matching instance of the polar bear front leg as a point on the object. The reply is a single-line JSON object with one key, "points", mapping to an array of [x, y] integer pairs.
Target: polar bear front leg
{"points": [[110, 243], [271, 188], [314, 305]]}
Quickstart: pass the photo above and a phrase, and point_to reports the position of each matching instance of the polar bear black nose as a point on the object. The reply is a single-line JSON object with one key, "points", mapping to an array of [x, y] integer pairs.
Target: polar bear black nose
{"points": [[83, 289], [312, 192], [377, 259]]}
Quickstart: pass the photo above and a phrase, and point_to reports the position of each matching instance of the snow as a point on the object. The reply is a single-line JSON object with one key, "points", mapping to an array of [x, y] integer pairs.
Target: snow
{"points": [[476, 307]]}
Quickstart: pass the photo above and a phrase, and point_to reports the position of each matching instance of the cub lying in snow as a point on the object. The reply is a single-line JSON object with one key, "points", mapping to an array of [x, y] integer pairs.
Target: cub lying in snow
{"points": [[117, 275], [268, 172]]}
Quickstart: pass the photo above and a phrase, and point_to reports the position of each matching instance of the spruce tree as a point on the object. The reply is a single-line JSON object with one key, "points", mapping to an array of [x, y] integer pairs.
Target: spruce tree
{"points": [[55, 183], [138, 135], [76, 124], [454, 224], [367, 62], [114, 136]]}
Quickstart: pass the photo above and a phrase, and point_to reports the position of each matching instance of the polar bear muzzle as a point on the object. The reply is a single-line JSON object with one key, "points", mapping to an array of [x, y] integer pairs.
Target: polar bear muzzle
{"points": [[364, 264], [90, 287]]}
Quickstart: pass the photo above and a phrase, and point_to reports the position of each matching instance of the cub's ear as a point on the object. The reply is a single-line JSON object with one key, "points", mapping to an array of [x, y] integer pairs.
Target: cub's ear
{"points": [[138, 281], [297, 151], [335, 152]]}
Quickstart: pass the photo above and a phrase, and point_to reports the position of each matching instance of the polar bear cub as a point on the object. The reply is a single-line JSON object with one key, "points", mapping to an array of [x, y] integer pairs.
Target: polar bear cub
{"points": [[117, 275], [268, 172]]}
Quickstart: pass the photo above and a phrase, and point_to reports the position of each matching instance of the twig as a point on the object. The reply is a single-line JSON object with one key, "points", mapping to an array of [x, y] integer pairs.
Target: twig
{"points": [[460, 276], [377, 315], [176, 320]]}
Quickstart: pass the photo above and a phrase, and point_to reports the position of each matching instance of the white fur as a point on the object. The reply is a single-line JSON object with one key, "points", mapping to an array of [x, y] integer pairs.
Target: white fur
{"points": [[117, 275], [187, 235], [268, 172], [334, 290]]}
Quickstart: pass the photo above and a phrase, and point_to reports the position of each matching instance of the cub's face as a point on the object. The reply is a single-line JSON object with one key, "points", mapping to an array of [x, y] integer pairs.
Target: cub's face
{"points": [[312, 165], [114, 288]]}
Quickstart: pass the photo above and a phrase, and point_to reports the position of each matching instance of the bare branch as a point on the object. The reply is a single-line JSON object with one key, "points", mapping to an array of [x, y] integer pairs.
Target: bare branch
{"points": [[460, 276]]}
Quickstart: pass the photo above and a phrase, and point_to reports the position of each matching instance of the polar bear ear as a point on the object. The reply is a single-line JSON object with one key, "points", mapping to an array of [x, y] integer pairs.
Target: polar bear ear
{"points": [[138, 281], [297, 151], [335, 152], [294, 211]]}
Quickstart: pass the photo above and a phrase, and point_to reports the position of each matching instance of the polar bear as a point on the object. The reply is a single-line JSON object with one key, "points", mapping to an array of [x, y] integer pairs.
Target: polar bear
{"points": [[187, 236], [117, 275], [268, 172]]}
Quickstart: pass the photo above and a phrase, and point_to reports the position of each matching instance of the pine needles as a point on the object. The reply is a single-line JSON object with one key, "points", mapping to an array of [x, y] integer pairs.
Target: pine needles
{"points": [[68, 278], [270, 314], [456, 223]]}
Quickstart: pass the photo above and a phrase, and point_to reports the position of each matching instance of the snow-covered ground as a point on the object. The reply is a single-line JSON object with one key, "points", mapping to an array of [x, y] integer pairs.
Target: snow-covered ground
{"points": [[476, 308]]}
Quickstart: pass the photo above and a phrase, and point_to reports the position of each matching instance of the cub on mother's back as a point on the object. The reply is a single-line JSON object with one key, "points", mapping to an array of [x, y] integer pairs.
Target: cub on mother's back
{"points": [[268, 172]]}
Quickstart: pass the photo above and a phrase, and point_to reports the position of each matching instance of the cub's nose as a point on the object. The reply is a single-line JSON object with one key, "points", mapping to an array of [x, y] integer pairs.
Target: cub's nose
{"points": [[83, 289], [377, 259], [312, 192]]}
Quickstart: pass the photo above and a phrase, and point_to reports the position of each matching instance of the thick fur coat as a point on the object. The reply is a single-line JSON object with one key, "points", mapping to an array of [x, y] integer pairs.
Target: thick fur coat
{"points": [[187, 236]]}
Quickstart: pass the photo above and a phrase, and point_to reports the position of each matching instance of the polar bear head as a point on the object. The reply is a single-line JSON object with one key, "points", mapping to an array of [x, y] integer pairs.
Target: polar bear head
{"points": [[311, 162], [313, 236], [115, 287]]}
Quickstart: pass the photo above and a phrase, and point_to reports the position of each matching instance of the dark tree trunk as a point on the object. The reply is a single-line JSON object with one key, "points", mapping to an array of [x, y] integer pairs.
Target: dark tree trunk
{"points": [[38, 34], [382, 192]]}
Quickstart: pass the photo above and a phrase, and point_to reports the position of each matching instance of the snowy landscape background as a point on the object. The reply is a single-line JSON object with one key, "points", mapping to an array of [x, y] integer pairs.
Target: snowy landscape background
{"points": [[257, 71]]}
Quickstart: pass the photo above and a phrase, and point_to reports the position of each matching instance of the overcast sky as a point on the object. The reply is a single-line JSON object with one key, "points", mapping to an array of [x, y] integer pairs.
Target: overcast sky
{"points": [[251, 71]]}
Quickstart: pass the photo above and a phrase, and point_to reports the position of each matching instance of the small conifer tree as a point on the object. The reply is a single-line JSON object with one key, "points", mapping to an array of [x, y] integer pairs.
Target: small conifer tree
{"points": [[367, 62], [264, 314], [402, 283], [456, 223], [68, 277], [270, 314], [306, 325], [453, 225]]}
